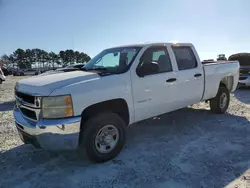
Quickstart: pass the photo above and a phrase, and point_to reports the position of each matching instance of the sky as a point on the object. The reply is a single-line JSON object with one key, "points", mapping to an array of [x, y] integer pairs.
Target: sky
{"points": [[213, 26]]}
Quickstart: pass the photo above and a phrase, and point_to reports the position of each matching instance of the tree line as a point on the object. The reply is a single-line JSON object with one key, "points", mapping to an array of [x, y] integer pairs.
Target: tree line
{"points": [[39, 58]]}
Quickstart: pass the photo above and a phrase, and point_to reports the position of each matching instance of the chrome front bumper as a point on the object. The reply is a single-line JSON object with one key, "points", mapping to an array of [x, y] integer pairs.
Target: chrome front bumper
{"points": [[54, 134]]}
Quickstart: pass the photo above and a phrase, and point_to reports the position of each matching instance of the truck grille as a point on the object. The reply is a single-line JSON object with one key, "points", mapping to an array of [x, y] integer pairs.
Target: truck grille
{"points": [[28, 113], [28, 105], [26, 98]]}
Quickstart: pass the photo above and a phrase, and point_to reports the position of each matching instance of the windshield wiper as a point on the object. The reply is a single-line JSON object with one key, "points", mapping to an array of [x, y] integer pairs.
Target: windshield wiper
{"points": [[93, 69], [98, 68], [102, 70]]}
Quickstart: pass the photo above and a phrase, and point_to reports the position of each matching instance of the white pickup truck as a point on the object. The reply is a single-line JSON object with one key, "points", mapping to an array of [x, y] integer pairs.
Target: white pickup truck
{"points": [[91, 108]]}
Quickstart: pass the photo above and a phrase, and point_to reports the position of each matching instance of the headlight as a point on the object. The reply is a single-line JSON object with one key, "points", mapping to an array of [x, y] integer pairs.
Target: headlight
{"points": [[57, 107]]}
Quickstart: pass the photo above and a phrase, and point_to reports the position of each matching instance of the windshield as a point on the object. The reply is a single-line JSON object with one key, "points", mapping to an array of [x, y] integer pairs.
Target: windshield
{"points": [[114, 60]]}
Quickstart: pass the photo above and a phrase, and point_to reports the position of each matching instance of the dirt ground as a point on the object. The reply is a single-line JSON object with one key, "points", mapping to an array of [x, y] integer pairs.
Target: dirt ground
{"points": [[188, 148]]}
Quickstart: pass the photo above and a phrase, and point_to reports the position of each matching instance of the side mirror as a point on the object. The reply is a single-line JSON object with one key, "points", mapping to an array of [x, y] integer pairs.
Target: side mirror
{"points": [[147, 68]]}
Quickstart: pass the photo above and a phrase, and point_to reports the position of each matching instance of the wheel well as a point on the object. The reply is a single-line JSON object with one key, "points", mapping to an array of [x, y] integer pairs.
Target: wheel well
{"points": [[118, 106], [227, 82], [223, 84]]}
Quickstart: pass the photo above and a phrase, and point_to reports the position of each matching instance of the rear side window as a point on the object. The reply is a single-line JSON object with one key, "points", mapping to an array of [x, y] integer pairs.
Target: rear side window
{"points": [[185, 58]]}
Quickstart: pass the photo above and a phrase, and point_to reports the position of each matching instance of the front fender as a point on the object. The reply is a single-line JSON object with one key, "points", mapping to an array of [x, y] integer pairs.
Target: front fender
{"points": [[85, 94]]}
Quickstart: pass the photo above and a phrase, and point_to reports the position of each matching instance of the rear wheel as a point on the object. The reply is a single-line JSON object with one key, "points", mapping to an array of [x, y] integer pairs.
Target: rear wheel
{"points": [[220, 103], [103, 137]]}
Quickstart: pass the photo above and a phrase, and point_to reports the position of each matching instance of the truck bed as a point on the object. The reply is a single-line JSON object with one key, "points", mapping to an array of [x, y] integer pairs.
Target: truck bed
{"points": [[228, 71]]}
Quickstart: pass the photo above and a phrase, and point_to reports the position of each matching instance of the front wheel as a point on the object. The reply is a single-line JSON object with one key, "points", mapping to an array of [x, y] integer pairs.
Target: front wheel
{"points": [[103, 137], [220, 103]]}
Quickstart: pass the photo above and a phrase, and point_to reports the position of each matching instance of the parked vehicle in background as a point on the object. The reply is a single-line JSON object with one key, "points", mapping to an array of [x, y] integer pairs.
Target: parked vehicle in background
{"points": [[37, 71], [90, 109], [244, 80], [27, 72], [15, 72], [5, 71], [244, 60], [18, 72], [10, 71], [65, 69], [221, 57], [43, 70], [2, 76]]}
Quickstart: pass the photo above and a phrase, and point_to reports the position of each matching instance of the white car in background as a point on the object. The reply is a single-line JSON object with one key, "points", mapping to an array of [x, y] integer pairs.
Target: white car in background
{"points": [[244, 79], [28, 72], [2, 77]]}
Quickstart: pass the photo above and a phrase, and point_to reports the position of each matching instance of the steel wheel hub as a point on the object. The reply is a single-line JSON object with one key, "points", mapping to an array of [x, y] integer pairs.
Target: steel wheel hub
{"points": [[223, 100], [106, 139]]}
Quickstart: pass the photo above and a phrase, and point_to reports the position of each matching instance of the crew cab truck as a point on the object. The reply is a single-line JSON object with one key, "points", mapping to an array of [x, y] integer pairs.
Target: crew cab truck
{"points": [[90, 109]]}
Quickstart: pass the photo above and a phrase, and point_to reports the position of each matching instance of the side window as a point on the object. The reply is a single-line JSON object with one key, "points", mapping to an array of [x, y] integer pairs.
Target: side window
{"points": [[185, 58], [159, 57], [157, 54]]}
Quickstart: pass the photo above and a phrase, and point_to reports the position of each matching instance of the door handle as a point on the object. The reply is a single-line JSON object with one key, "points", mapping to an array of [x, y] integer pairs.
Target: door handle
{"points": [[198, 75], [171, 80]]}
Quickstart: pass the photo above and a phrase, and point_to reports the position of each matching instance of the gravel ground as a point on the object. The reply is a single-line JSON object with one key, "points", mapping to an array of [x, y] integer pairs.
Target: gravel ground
{"points": [[187, 148]]}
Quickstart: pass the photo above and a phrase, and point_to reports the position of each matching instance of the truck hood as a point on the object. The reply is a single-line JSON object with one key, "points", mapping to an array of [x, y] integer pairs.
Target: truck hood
{"points": [[59, 71], [44, 85]]}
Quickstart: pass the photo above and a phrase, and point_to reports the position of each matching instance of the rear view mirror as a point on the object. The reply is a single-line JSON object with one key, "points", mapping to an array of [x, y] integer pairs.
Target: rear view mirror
{"points": [[147, 68]]}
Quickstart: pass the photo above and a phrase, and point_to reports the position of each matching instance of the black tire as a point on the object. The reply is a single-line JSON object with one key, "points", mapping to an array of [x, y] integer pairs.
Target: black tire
{"points": [[90, 131], [215, 103], [1, 81], [22, 74]]}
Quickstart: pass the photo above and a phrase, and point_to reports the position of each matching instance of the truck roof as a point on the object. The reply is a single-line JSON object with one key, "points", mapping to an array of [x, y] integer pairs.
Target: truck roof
{"points": [[154, 43]]}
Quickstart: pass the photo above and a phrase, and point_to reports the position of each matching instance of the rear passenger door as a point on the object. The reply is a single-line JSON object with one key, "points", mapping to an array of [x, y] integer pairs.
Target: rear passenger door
{"points": [[190, 76]]}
